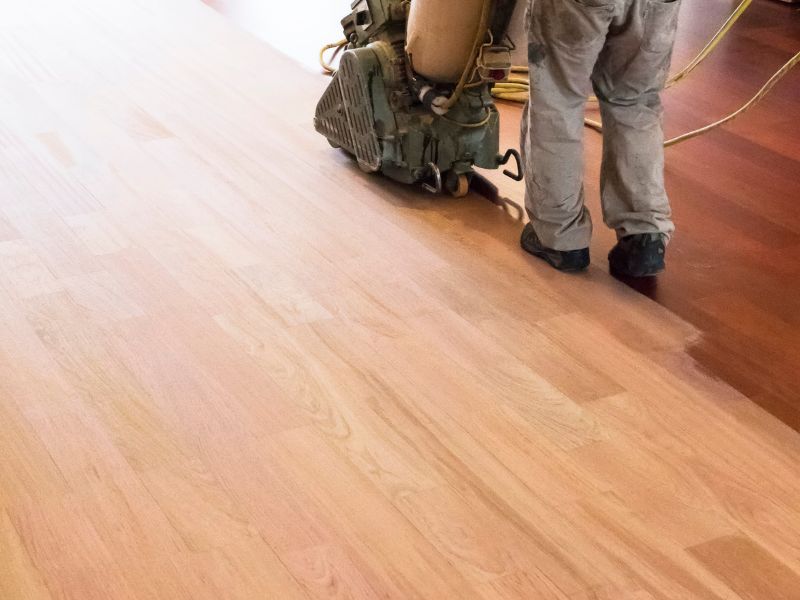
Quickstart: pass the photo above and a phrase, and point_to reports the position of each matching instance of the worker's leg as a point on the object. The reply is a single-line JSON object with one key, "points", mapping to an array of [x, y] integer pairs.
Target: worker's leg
{"points": [[565, 38], [630, 74]]}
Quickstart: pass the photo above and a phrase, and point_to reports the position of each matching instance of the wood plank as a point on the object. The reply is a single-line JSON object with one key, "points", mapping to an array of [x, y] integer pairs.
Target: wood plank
{"points": [[747, 568], [234, 366], [18, 576]]}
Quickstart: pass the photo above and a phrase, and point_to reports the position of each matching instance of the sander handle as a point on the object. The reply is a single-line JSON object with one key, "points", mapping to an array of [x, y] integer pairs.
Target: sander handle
{"points": [[512, 153]]}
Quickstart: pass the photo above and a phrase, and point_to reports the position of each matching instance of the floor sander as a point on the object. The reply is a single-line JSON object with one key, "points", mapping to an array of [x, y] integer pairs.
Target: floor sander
{"points": [[412, 95]]}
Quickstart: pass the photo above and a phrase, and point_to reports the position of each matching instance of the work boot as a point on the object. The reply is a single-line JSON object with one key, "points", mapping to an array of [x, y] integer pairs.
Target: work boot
{"points": [[639, 255], [563, 260]]}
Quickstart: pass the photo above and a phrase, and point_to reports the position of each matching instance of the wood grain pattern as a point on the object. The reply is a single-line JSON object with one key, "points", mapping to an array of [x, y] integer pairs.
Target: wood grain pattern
{"points": [[733, 269], [234, 366], [747, 568]]}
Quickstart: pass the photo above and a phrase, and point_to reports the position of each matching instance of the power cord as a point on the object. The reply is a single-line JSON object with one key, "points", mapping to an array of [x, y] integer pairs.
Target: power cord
{"points": [[517, 87]]}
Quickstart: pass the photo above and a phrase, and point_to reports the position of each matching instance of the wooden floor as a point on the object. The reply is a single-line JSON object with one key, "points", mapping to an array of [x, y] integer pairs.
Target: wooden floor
{"points": [[734, 269], [233, 366], [734, 264]]}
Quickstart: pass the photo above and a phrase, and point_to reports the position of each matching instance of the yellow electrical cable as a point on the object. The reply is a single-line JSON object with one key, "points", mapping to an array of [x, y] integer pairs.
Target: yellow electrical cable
{"points": [[517, 97], [463, 82], [780, 74], [480, 123], [327, 66], [516, 89], [693, 64], [766, 89], [592, 124], [483, 25], [712, 45]]}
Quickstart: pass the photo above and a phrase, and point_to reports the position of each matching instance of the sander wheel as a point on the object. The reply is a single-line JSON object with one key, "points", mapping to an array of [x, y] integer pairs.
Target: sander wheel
{"points": [[457, 184]]}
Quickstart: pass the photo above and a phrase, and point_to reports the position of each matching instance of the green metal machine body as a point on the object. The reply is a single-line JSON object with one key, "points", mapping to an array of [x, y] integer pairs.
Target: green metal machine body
{"points": [[373, 108]]}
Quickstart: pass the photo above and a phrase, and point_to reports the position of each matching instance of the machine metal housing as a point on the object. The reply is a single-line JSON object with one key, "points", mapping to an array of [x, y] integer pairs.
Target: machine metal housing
{"points": [[372, 108]]}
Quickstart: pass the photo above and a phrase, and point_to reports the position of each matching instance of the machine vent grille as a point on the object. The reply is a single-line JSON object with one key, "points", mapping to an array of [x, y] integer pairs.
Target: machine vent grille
{"points": [[345, 117]]}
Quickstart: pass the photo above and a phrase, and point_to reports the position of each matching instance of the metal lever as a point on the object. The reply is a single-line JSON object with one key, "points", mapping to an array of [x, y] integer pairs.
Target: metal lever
{"points": [[437, 177], [518, 176]]}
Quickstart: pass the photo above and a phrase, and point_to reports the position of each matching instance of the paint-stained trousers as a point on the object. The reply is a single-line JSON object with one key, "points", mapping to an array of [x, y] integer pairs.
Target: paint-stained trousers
{"points": [[624, 47]]}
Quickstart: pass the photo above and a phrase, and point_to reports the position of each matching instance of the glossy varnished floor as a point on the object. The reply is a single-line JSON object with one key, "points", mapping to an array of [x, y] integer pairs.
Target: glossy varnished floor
{"points": [[233, 366]]}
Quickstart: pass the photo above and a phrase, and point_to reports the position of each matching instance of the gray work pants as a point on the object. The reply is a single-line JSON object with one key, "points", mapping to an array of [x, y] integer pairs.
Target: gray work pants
{"points": [[624, 47]]}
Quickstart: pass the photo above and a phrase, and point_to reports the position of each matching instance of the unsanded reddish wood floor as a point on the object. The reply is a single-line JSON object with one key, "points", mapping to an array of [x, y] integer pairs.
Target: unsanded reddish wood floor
{"points": [[734, 270]]}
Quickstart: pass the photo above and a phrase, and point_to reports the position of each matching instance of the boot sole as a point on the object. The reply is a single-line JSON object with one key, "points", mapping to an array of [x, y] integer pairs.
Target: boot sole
{"points": [[637, 275], [546, 258]]}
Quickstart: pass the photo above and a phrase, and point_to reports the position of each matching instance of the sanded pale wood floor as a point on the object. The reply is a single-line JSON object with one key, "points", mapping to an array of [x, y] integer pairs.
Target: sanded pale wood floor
{"points": [[233, 366]]}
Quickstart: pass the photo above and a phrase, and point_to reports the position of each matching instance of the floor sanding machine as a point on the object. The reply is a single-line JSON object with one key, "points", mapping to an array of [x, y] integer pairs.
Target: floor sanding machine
{"points": [[412, 95]]}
